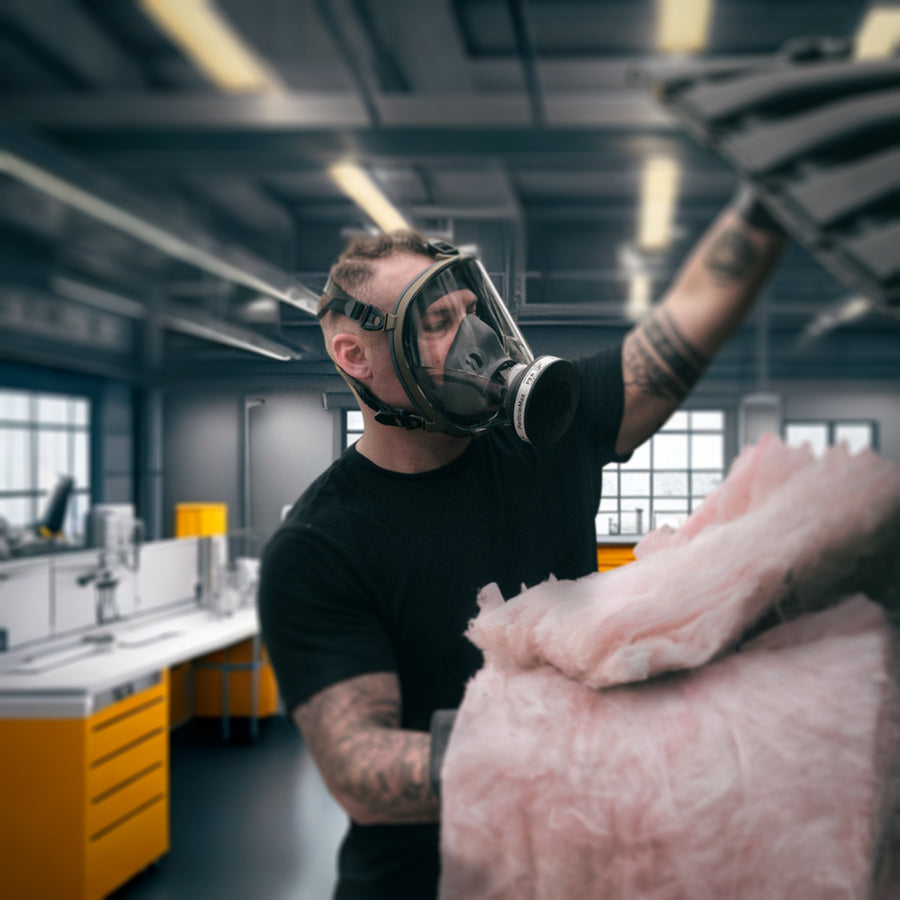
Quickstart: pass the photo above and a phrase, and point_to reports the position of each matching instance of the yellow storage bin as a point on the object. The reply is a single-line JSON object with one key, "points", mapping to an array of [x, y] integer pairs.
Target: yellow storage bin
{"points": [[200, 519]]}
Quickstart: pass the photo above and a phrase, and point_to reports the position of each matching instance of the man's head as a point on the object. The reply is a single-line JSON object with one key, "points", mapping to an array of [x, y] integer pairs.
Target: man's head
{"points": [[374, 269], [359, 266], [420, 333]]}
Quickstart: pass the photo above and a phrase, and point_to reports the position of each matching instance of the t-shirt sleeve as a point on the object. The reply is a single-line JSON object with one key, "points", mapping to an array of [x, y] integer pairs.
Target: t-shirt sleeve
{"points": [[603, 399], [316, 623]]}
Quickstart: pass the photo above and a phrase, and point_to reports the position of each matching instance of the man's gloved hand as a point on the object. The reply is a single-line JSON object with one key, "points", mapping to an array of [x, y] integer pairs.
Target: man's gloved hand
{"points": [[748, 206], [441, 725]]}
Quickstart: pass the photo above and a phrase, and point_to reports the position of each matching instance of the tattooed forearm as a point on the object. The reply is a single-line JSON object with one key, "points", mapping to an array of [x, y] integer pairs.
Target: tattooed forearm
{"points": [[732, 258], [659, 362], [376, 770]]}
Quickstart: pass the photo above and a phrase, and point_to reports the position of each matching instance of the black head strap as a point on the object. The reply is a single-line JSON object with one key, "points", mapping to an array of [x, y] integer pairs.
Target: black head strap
{"points": [[371, 318]]}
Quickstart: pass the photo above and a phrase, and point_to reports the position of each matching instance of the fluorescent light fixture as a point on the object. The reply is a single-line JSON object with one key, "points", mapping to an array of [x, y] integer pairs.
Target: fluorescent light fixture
{"points": [[847, 310], [222, 332], [683, 25], [879, 33], [356, 183], [638, 304], [200, 29], [659, 195]]}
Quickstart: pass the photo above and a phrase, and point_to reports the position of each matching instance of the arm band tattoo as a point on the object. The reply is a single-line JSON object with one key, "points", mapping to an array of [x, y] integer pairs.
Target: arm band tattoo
{"points": [[661, 362]]}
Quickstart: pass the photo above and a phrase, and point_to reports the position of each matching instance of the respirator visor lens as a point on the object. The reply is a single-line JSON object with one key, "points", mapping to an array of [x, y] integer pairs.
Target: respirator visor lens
{"points": [[459, 341]]}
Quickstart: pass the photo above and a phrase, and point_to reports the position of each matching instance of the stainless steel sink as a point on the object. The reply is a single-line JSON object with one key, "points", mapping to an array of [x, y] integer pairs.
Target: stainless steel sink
{"points": [[56, 659], [93, 644], [147, 637]]}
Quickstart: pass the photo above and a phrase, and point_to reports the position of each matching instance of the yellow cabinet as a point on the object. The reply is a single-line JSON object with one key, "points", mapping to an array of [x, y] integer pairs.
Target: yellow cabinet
{"points": [[610, 556], [85, 800]]}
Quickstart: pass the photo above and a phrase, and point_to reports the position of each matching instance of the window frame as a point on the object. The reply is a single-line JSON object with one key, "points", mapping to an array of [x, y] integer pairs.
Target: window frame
{"points": [[32, 491], [621, 520], [831, 426]]}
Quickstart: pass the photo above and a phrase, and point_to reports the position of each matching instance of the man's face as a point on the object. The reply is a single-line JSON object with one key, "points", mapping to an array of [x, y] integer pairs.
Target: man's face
{"points": [[438, 326], [391, 276]]}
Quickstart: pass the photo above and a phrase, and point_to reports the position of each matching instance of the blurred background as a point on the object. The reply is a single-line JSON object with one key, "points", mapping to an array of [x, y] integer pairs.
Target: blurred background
{"points": [[176, 178]]}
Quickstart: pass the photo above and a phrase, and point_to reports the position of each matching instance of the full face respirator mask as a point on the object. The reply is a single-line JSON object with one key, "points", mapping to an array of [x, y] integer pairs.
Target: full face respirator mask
{"points": [[460, 357]]}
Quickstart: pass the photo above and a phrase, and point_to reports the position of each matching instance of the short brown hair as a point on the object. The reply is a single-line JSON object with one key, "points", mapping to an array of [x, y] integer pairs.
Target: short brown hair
{"points": [[354, 268]]}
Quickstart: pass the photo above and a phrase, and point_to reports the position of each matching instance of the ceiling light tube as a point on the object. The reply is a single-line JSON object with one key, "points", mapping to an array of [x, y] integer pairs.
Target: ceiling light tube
{"points": [[659, 196], [683, 25], [356, 183], [200, 29], [879, 33], [639, 298]]}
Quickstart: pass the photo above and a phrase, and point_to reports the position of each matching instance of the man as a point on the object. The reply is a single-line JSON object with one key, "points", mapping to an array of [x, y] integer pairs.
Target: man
{"points": [[367, 588]]}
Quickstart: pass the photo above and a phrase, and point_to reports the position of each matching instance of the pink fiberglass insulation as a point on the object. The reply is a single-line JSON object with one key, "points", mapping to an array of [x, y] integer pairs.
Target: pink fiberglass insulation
{"points": [[768, 771], [767, 775], [789, 531]]}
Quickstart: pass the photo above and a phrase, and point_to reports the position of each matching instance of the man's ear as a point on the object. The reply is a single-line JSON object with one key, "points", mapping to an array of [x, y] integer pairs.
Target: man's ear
{"points": [[350, 355]]}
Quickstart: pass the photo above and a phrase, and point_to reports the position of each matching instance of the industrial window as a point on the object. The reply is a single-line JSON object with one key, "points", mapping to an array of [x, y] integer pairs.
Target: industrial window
{"points": [[353, 426], [42, 438], [822, 433], [667, 477]]}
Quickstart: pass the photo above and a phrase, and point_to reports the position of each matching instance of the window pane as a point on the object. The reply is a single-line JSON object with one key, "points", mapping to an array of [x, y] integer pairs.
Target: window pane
{"points": [[707, 451], [632, 522], [52, 458], [708, 420], [52, 409], [17, 511], [640, 459], [672, 519], [635, 483], [602, 524], [855, 436], [14, 405], [678, 421], [609, 504], [80, 412], [670, 484], [354, 420], [703, 482], [610, 482], [81, 453], [670, 451], [15, 460], [75, 515], [816, 435]]}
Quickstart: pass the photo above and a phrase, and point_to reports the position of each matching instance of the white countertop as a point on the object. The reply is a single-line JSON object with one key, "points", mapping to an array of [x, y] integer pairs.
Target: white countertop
{"points": [[65, 678]]}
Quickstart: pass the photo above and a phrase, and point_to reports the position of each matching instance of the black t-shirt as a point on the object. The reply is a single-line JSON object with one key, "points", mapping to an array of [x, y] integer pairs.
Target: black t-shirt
{"points": [[378, 571]]}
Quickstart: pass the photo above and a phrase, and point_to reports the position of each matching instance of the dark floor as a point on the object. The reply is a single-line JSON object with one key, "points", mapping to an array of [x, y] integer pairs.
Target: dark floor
{"points": [[250, 820]]}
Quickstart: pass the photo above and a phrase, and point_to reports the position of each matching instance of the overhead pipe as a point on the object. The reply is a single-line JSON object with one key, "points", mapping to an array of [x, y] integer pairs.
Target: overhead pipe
{"points": [[518, 10], [45, 169]]}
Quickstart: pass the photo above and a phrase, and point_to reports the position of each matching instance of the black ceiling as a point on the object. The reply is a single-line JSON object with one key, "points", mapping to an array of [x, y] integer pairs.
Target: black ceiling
{"points": [[510, 124]]}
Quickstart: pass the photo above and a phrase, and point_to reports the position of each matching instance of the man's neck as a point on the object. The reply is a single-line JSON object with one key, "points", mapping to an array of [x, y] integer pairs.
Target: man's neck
{"points": [[409, 452]]}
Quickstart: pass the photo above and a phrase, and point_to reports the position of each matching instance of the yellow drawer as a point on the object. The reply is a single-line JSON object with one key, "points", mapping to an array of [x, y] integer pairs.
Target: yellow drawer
{"points": [[109, 772], [107, 810], [121, 851], [127, 723]]}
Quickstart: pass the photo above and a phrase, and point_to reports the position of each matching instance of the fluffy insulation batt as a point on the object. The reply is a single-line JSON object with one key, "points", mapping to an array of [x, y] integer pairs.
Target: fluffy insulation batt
{"points": [[755, 768]]}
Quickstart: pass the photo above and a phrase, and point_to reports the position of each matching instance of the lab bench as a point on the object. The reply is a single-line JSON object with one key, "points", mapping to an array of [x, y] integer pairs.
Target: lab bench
{"points": [[84, 731]]}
